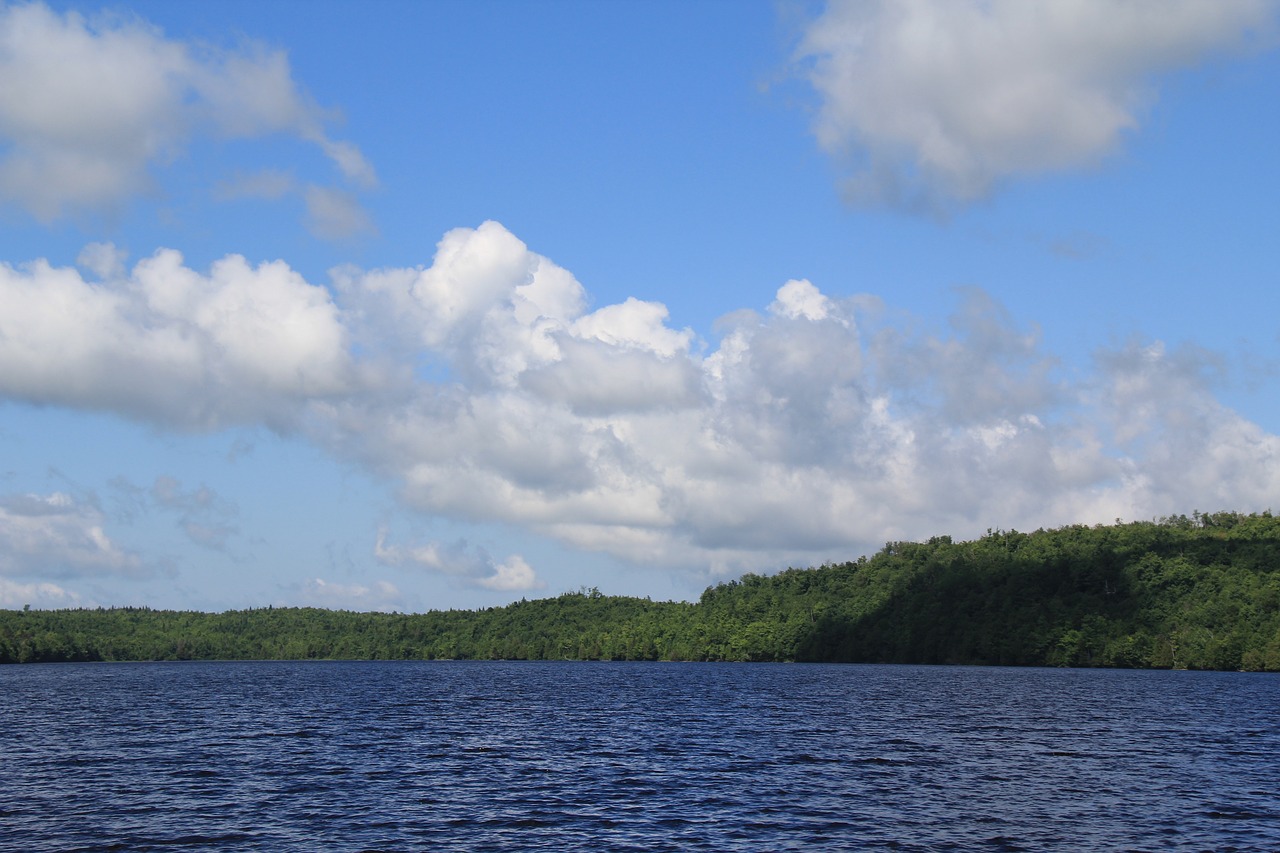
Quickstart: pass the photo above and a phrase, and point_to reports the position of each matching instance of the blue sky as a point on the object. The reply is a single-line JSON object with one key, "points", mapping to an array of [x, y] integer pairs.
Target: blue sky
{"points": [[430, 305]]}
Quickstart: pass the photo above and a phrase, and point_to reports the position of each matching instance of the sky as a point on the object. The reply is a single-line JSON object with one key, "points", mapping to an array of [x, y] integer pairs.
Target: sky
{"points": [[411, 306]]}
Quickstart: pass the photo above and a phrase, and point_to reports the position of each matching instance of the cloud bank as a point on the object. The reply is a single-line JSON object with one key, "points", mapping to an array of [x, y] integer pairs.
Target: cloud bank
{"points": [[929, 104], [486, 388]]}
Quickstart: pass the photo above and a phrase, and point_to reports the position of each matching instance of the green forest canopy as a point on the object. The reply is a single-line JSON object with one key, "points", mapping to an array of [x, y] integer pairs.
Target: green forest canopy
{"points": [[1199, 593]]}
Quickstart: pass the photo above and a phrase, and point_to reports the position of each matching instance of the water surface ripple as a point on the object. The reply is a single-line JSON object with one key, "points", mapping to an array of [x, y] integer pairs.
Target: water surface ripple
{"points": [[461, 756]]}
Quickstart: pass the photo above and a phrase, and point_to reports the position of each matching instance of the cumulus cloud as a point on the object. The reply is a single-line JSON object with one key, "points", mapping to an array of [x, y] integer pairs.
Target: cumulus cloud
{"points": [[168, 344], [511, 575], [636, 325], [57, 535], [812, 430], [932, 103], [91, 106], [816, 427], [487, 305], [472, 567]]}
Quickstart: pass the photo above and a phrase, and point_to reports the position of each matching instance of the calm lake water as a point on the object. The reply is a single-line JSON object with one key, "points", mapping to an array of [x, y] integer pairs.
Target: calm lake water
{"points": [[636, 757]]}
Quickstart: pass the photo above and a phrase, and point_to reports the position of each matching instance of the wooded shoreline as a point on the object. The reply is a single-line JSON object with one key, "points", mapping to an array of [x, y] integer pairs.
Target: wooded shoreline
{"points": [[1199, 592]]}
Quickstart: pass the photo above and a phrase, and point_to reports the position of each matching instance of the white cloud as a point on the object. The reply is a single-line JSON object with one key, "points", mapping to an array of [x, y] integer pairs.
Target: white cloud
{"points": [[809, 432], [989, 369], [381, 596], [930, 103], [42, 594], [487, 305], [473, 567], [593, 378], [634, 324], [91, 106], [1195, 453], [800, 299], [242, 344], [513, 575], [57, 535], [816, 428]]}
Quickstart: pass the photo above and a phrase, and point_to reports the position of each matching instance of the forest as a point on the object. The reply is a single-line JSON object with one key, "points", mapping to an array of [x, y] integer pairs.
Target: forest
{"points": [[1198, 592]]}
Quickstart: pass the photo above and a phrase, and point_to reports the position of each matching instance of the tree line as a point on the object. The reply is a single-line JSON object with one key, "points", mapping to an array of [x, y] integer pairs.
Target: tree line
{"points": [[1198, 592]]}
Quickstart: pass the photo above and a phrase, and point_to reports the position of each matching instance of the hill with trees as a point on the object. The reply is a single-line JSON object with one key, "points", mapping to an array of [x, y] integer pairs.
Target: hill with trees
{"points": [[1199, 592]]}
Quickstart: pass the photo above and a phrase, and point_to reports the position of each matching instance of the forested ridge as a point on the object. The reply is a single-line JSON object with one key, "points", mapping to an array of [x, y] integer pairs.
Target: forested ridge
{"points": [[1199, 592]]}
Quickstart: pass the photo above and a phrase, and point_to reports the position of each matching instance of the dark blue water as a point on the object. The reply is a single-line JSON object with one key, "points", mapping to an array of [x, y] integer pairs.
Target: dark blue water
{"points": [[610, 757]]}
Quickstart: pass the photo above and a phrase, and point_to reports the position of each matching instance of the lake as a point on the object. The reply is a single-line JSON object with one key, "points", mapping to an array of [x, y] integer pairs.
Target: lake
{"points": [[454, 756]]}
